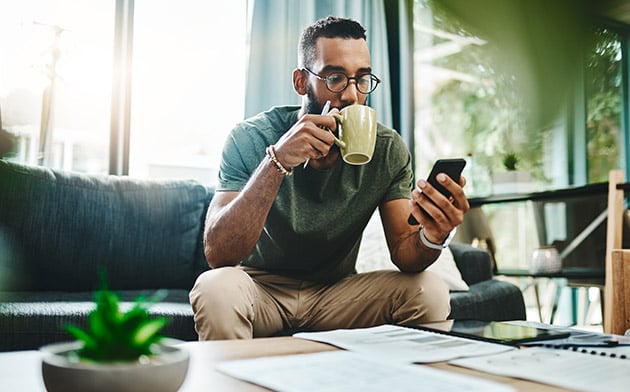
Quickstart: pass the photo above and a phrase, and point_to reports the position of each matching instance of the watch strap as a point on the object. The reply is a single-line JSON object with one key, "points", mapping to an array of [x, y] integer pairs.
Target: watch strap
{"points": [[432, 245]]}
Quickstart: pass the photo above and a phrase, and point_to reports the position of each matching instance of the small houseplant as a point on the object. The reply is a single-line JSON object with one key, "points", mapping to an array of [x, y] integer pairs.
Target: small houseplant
{"points": [[510, 161], [511, 180], [118, 351]]}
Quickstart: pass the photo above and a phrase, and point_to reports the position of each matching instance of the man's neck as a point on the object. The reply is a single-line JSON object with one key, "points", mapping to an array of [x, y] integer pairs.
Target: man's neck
{"points": [[302, 111]]}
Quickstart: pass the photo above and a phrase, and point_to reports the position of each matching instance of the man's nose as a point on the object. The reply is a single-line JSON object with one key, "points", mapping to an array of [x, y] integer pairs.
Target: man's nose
{"points": [[350, 94]]}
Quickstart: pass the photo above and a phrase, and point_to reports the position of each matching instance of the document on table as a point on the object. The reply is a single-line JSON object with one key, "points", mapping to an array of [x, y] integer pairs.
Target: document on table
{"points": [[345, 371], [405, 345], [562, 368]]}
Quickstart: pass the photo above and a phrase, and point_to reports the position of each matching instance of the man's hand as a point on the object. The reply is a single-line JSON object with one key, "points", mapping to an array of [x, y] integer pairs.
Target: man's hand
{"points": [[435, 212], [309, 138]]}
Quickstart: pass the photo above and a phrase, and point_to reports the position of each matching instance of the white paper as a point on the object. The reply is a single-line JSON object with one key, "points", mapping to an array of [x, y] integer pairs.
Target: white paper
{"points": [[562, 368], [21, 371], [344, 371], [405, 345]]}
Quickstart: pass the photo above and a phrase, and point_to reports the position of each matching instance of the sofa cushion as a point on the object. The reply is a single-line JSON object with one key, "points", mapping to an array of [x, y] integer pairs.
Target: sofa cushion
{"points": [[488, 300], [31, 319], [474, 264], [62, 226]]}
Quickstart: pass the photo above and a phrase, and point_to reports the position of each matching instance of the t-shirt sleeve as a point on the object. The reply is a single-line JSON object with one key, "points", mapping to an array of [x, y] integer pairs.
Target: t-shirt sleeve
{"points": [[233, 170], [245, 146]]}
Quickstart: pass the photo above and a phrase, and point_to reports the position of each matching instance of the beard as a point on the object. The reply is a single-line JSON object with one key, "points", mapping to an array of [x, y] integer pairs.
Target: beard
{"points": [[312, 106]]}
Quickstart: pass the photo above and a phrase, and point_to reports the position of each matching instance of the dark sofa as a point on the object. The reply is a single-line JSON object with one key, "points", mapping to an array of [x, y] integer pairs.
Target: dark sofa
{"points": [[58, 227]]}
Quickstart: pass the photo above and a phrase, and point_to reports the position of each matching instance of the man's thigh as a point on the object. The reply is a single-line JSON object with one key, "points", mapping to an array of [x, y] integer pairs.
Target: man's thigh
{"points": [[375, 298]]}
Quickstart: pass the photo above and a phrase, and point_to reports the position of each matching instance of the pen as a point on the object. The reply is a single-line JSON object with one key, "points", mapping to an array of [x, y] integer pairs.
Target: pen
{"points": [[324, 112]]}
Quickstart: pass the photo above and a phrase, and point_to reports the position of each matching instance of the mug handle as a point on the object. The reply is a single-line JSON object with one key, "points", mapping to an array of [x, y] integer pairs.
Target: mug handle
{"points": [[339, 143]]}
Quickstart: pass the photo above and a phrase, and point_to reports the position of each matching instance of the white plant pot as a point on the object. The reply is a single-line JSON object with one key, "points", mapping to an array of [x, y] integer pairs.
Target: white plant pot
{"points": [[515, 181], [162, 372], [545, 259]]}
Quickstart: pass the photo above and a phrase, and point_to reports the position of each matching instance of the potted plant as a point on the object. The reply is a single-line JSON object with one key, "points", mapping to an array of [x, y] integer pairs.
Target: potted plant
{"points": [[119, 351], [511, 180], [510, 161]]}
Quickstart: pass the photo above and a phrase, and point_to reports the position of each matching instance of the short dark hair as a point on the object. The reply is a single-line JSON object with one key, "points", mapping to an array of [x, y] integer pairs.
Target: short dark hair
{"points": [[329, 27]]}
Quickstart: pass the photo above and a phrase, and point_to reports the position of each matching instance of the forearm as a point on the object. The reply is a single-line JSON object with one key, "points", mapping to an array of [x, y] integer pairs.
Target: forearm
{"points": [[411, 255], [232, 230]]}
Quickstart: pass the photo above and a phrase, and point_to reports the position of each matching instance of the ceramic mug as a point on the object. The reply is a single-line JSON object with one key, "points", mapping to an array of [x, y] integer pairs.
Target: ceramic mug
{"points": [[357, 133]]}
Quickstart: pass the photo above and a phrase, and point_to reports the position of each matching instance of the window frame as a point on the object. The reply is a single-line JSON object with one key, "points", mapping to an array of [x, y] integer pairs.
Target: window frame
{"points": [[576, 141]]}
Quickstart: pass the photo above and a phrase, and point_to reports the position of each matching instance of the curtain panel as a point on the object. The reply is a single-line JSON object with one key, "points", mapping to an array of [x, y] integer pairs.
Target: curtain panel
{"points": [[276, 26]]}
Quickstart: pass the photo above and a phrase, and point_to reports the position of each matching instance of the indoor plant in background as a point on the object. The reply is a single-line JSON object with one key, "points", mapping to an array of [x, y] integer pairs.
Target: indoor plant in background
{"points": [[511, 180], [119, 351]]}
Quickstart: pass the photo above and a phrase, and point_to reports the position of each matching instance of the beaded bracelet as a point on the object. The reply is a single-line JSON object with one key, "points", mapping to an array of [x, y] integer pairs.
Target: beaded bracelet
{"points": [[272, 156]]}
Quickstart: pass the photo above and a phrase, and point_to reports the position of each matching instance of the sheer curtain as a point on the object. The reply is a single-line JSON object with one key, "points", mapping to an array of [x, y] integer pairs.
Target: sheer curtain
{"points": [[276, 26]]}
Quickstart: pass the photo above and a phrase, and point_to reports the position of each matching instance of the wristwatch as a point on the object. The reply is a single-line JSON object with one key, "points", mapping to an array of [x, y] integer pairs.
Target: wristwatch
{"points": [[431, 245]]}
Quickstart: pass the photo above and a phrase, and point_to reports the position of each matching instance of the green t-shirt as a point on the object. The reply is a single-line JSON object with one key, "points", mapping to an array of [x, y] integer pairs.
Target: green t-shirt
{"points": [[314, 228]]}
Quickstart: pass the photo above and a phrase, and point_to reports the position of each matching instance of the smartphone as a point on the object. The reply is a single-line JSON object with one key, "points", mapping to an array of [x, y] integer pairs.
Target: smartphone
{"points": [[451, 167]]}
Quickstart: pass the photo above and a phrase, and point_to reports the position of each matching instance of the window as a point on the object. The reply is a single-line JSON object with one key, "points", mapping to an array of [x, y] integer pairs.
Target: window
{"points": [[603, 84], [467, 106], [55, 81], [187, 83]]}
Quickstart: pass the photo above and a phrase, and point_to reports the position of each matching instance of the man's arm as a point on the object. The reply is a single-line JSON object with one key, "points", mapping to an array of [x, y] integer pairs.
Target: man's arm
{"points": [[235, 219], [408, 252]]}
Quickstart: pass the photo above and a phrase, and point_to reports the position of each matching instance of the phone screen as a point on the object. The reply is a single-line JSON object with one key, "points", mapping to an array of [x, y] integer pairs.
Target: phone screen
{"points": [[452, 167]]}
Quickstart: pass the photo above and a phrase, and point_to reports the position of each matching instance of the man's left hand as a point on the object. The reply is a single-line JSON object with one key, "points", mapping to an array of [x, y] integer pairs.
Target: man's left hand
{"points": [[436, 213]]}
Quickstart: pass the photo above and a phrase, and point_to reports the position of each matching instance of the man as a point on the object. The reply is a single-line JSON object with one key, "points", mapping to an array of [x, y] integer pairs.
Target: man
{"points": [[282, 236]]}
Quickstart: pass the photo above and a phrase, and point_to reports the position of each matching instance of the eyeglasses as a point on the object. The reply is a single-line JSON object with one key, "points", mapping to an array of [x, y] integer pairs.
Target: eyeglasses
{"points": [[336, 82]]}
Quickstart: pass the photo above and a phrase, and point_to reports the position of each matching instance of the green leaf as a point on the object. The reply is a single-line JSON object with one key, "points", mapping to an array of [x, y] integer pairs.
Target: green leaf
{"points": [[99, 327], [88, 342], [147, 332], [134, 317], [116, 335]]}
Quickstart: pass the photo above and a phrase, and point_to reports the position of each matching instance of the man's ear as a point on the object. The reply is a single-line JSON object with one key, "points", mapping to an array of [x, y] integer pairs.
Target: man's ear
{"points": [[299, 82]]}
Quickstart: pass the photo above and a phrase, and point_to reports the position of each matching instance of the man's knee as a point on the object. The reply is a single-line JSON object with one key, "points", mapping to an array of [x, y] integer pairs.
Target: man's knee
{"points": [[437, 296], [223, 299], [429, 296], [220, 283]]}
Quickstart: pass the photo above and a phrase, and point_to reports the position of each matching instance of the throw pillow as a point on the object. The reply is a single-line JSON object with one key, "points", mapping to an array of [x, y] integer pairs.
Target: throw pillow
{"points": [[374, 255], [446, 269]]}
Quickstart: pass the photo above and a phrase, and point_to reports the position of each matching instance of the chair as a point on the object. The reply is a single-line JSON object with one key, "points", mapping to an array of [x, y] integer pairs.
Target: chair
{"points": [[620, 320], [617, 285]]}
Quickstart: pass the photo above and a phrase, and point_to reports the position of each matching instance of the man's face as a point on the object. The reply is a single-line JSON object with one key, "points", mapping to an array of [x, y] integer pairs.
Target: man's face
{"points": [[349, 56]]}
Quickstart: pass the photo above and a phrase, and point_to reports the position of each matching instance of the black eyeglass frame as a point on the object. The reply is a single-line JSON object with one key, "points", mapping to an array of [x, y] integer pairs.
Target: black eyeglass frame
{"points": [[374, 78]]}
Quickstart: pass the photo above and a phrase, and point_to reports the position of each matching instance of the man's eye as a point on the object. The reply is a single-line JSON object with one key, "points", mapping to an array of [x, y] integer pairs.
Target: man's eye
{"points": [[365, 80], [336, 79]]}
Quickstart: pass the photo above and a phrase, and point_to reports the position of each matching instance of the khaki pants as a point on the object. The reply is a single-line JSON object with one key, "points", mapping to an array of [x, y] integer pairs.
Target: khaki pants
{"points": [[241, 302]]}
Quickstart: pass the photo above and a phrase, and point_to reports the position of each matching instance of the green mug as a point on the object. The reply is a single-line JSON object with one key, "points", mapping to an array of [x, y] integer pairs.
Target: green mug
{"points": [[357, 133]]}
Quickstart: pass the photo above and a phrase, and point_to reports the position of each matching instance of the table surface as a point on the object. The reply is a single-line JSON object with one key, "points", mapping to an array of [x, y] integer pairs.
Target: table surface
{"points": [[205, 355], [20, 370]]}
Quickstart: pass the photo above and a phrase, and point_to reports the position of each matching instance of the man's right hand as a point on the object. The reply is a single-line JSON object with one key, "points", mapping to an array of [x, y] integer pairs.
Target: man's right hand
{"points": [[309, 138]]}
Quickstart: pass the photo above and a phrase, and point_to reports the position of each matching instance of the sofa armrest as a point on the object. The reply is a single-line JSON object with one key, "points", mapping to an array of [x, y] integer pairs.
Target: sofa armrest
{"points": [[475, 264]]}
